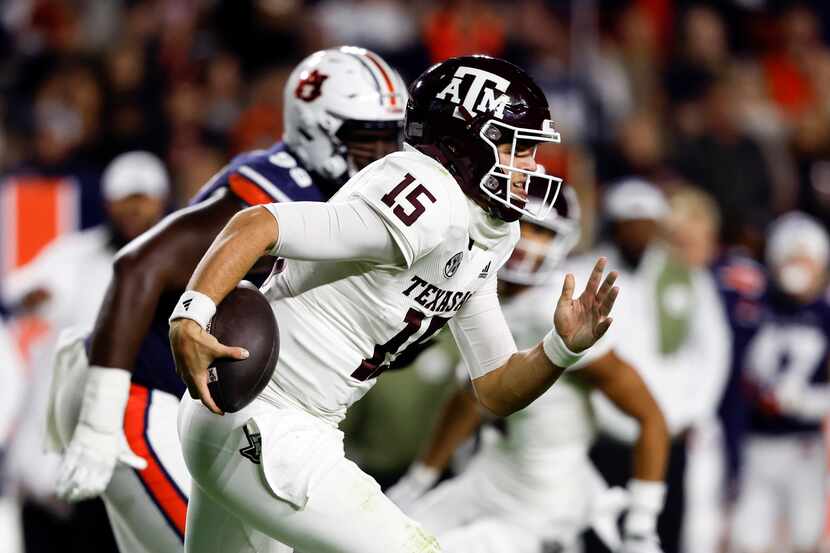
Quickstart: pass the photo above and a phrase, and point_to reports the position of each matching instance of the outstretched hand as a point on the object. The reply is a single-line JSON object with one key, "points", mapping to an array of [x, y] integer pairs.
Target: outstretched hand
{"points": [[194, 350], [582, 321]]}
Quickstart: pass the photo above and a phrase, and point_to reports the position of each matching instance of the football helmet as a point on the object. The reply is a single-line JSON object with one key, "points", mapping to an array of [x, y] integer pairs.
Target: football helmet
{"points": [[337, 102], [533, 262], [461, 110]]}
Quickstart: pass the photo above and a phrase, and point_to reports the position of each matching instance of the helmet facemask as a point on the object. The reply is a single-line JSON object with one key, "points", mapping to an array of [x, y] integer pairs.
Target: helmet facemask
{"points": [[500, 184]]}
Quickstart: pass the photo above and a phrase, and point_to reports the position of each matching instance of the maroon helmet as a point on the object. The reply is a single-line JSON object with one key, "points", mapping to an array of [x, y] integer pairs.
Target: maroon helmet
{"points": [[461, 110]]}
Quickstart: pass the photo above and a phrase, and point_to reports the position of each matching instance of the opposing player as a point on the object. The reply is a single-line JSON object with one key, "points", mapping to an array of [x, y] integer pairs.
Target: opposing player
{"points": [[343, 109], [531, 487], [412, 242], [787, 369]]}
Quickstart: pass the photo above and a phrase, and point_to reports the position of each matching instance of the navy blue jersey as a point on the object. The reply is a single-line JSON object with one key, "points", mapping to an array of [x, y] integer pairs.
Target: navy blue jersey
{"points": [[791, 347], [257, 177], [742, 284]]}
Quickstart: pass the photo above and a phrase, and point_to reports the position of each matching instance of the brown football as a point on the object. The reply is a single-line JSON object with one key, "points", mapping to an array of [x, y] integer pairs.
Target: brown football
{"points": [[243, 319]]}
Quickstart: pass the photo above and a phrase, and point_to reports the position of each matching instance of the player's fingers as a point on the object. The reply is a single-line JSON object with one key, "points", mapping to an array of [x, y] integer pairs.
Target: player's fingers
{"points": [[567, 288], [232, 352], [607, 284], [602, 327], [596, 276], [204, 394], [608, 302]]}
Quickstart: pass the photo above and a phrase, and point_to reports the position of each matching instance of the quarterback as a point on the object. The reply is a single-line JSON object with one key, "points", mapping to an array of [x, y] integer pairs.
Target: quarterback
{"points": [[409, 244], [115, 403]]}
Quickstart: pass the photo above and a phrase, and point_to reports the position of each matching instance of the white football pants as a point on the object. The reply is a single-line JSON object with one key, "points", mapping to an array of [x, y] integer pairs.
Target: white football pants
{"points": [[470, 514], [265, 474], [147, 508], [783, 477]]}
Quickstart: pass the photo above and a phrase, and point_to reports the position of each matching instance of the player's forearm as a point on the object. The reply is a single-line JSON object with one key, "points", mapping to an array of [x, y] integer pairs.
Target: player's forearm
{"points": [[125, 315], [459, 419], [651, 451], [622, 384], [248, 236], [521, 379]]}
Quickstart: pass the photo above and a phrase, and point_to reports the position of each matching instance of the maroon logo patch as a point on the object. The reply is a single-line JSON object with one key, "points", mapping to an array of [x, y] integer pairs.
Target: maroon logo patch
{"points": [[308, 89]]}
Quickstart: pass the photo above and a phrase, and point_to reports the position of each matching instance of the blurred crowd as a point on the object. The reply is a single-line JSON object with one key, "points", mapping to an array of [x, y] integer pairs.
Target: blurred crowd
{"points": [[729, 98]]}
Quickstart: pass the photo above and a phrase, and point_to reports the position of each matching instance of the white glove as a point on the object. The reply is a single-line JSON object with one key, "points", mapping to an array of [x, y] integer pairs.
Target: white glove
{"points": [[98, 442], [412, 485], [646, 501]]}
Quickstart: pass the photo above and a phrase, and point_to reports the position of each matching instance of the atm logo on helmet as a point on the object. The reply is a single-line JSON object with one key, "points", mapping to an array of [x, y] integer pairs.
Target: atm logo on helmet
{"points": [[481, 95]]}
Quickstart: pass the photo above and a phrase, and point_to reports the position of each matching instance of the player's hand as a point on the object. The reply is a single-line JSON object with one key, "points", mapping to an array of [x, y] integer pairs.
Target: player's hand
{"points": [[87, 466], [416, 482], [582, 321], [194, 350]]}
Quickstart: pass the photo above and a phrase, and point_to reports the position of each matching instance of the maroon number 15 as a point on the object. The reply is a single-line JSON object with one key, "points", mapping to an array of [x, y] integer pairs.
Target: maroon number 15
{"points": [[414, 198]]}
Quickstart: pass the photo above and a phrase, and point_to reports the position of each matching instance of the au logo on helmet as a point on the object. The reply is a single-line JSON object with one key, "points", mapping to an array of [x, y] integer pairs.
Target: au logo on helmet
{"points": [[309, 87], [482, 90]]}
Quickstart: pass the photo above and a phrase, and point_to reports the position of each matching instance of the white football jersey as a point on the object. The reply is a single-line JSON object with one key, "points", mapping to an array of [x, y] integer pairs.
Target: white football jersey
{"points": [[342, 323], [539, 436]]}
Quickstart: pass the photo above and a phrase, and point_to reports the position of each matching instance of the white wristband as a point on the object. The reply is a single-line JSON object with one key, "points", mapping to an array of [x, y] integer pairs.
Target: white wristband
{"points": [[646, 501], [423, 475], [558, 352], [195, 306], [106, 392]]}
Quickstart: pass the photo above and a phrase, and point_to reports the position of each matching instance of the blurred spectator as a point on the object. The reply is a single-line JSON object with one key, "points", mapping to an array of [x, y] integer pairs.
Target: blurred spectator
{"points": [[64, 286], [728, 164], [789, 66], [638, 149], [669, 324], [787, 382], [461, 27], [540, 38], [135, 187], [384, 26], [702, 53], [261, 123]]}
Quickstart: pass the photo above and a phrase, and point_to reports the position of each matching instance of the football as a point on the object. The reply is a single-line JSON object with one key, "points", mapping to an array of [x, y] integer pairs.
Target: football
{"points": [[243, 319]]}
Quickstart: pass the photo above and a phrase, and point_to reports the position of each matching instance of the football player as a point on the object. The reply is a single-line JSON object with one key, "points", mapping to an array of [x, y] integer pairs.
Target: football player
{"points": [[343, 109], [409, 244], [531, 487], [786, 371]]}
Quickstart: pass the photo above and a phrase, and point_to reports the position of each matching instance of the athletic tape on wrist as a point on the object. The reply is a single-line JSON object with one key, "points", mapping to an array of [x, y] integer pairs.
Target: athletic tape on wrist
{"points": [[646, 503], [423, 474], [106, 392], [195, 306], [558, 352]]}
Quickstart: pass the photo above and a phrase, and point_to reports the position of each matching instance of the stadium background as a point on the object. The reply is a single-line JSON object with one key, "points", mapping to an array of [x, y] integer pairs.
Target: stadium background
{"points": [[732, 97]]}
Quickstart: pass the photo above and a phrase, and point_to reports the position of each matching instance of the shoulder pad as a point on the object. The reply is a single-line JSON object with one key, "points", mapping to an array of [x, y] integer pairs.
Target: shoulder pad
{"points": [[417, 202]]}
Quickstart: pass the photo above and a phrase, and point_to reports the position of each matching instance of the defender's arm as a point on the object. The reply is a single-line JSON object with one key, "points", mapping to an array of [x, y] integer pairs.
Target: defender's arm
{"points": [[621, 383], [160, 260]]}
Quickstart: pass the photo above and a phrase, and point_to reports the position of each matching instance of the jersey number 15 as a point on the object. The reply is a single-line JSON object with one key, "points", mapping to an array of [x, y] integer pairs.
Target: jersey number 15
{"points": [[414, 199]]}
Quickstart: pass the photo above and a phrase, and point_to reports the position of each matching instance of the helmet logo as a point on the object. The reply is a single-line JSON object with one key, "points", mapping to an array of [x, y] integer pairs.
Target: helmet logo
{"points": [[482, 90], [308, 89]]}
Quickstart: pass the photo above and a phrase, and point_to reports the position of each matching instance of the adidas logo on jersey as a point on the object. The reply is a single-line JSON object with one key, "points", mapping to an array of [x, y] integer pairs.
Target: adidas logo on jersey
{"points": [[485, 271]]}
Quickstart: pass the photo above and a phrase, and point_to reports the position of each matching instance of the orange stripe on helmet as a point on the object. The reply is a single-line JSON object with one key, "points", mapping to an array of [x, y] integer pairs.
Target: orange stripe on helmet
{"points": [[386, 78]]}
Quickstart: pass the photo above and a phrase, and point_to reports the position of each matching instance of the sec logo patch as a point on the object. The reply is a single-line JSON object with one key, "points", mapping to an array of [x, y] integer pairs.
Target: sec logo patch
{"points": [[453, 264]]}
